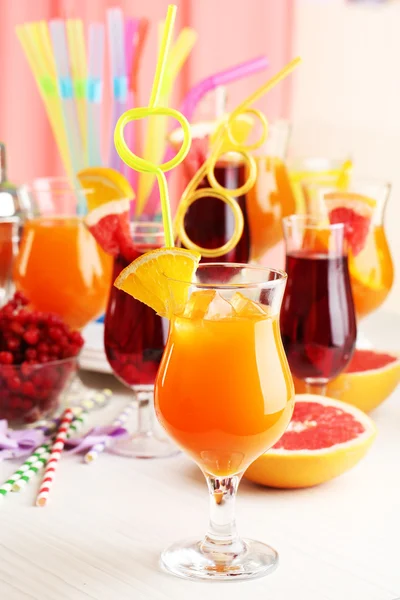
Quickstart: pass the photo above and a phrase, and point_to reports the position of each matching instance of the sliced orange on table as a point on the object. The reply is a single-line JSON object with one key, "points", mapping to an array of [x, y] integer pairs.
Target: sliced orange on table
{"points": [[157, 278]]}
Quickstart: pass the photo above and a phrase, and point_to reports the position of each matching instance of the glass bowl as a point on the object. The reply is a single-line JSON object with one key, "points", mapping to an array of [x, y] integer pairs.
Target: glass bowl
{"points": [[32, 392]]}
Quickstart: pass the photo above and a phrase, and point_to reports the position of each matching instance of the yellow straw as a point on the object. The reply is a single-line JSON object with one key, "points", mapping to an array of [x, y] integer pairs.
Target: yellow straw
{"points": [[225, 141], [77, 52], [47, 86], [140, 164], [156, 138]]}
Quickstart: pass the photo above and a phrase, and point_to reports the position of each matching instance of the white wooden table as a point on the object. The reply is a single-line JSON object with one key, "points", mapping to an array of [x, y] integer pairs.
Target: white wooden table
{"points": [[101, 535]]}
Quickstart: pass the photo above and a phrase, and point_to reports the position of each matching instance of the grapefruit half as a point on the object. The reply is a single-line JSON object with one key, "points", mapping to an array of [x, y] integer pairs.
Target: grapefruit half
{"points": [[369, 379], [324, 439]]}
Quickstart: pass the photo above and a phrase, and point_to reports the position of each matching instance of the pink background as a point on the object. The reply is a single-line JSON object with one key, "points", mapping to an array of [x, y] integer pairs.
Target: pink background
{"points": [[229, 33]]}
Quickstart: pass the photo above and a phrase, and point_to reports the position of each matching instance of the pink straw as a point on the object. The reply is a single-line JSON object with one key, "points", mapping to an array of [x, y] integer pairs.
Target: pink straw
{"points": [[192, 99], [56, 449]]}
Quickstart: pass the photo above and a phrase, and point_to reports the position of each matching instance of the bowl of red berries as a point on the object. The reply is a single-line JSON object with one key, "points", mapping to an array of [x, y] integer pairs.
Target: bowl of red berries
{"points": [[38, 357]]}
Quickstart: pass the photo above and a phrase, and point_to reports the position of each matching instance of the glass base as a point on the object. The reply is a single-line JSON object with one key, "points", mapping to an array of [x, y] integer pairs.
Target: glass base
{"points": [[189, 560], [144, 445]]}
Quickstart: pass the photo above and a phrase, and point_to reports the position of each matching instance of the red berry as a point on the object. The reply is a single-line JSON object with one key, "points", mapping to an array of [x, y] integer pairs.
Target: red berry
{"points": [[43, 348], [6, 358], [31, 336], [14, 383], [20, 298], [43, 358], [28, 389], [26, 368], [13, 344], [16, 326], [76, 338], [31, 353], [55, 333]]}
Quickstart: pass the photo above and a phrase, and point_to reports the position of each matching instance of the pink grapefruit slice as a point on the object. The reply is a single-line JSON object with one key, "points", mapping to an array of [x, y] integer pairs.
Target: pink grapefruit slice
{"points": [[356, 212], [324, 439], [109, 225], [369, 379]]}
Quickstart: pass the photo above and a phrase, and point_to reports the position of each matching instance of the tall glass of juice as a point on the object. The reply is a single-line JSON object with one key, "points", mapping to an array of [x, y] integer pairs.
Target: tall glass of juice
{"points": [[134, 341], [225, 394], [272, 196], [318, 323], [60, 267]]}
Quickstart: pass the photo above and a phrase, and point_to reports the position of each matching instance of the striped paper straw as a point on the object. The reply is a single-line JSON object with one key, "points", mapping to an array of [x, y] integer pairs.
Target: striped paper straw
{"points": [[75, 426], [34, 468], [55, 454], [22, 469], [97, 449]]}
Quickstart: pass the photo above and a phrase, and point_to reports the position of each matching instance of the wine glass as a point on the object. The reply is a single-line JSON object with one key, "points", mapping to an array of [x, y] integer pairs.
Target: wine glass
{"points": [[318, 322], [134, 340], [225, 395]]}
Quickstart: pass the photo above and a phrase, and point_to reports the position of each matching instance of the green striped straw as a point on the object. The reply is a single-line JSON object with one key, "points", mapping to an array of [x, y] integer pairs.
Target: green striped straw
{"points": [[26, 470], [26, 477], [39, 453]]}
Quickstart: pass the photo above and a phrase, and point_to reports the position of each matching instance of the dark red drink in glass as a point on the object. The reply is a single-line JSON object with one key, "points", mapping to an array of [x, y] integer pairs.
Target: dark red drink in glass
{"points": [[209, 222], [134, 336], [134, 340], [318, 323]]}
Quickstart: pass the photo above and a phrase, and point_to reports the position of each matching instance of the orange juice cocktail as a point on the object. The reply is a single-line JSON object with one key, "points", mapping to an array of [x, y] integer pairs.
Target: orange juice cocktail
{"points": [[224, 391], [272, 197]]}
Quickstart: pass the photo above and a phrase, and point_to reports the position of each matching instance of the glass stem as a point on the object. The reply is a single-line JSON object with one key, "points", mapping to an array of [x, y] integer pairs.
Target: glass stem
{"points": [[222, 540], [145, 413], [316, 387]]}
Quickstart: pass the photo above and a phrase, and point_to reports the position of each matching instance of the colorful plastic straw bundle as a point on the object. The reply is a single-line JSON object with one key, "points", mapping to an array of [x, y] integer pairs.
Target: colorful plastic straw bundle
{"points": [[69, 72]]}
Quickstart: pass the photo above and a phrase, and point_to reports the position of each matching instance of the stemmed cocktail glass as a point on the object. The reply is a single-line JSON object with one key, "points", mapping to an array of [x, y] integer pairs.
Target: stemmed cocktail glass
{"points": [[134, 340], [224, 393]]}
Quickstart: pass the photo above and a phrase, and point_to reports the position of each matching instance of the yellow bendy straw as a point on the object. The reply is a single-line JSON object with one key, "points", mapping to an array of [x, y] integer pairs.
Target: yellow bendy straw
{"points": [[47, 87], [153, 109], [156, 138], [226, 140]]}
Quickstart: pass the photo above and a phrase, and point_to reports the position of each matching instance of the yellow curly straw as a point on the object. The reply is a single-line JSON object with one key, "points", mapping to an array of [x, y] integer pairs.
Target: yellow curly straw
{"points": [[140, 164], [225, 141]]}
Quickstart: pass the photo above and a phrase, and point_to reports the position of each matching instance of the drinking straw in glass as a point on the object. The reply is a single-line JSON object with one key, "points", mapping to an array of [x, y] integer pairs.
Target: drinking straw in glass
{"points": [[77, 53], [152, 109], [94, 93], [192, 99], [156, 135], [119, 80], [66, 91], [47, 87]]}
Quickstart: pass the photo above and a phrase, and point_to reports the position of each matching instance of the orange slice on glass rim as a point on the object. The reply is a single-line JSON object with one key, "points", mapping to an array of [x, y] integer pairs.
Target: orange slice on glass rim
{"points": [[107, 184], [155, 278]]}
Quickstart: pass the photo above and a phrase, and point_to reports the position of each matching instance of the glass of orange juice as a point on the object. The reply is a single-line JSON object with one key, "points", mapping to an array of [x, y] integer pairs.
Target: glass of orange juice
{"points": [[318, 170], [224, 393], [272, 196], [361, 205], [60, 267]]}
